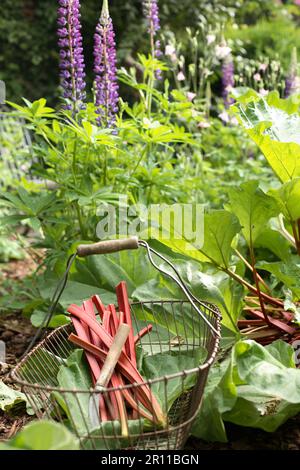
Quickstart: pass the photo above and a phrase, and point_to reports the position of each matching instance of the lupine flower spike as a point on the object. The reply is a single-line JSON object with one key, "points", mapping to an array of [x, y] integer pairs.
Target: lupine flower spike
{"points": [[151, 12], [105, 68], [227, 80], [72, 67], [292, 82]]}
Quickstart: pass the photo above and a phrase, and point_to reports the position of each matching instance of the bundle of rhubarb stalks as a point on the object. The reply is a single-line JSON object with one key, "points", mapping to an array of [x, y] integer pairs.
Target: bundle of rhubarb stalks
{"points": [[95, 335], [266, 320]]}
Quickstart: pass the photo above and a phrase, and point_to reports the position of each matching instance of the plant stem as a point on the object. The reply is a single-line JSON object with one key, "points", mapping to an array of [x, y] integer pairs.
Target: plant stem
{"points": [[105, 168], [251, 268], [80, 221], [295, 227], [74, 162], [256, 279]]}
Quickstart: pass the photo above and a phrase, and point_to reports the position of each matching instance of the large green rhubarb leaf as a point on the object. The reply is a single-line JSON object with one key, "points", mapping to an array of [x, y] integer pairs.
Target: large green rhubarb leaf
{"points": [[274, 125]]}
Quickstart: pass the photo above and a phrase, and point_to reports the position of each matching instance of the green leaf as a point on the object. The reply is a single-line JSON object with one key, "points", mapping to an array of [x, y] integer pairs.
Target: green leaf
{"points": [[168, 363], [276, 131], [110, 430], [254, 387], [217, 240], [74, 292], [75, 375], [107, 271], [287, 273], [38, 317], [10, 399], [269, 391], [253, 208], [220, 396], [44, 435], [288, 199], [275, 242]]}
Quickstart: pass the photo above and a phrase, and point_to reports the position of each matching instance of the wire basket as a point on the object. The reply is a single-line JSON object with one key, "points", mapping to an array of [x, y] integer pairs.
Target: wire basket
{"points": [[177, 328]]}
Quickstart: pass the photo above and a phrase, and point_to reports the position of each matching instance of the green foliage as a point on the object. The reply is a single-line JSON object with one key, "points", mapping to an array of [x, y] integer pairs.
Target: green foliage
{"points": [[11, 399], [43, 435], [253, 208], [274, 126], [254, 387]]}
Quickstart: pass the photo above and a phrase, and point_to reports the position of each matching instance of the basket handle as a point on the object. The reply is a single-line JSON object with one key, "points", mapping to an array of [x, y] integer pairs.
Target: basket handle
{"points": [[108, 246]]}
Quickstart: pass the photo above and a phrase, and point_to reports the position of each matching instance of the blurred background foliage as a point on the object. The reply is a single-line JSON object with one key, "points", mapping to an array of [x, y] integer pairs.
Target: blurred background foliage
{"points": [[29, 56]]}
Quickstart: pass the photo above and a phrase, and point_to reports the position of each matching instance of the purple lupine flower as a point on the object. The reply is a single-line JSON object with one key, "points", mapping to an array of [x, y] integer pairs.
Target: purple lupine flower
{"points": [[227, 80], [72, 67], [151, 12], [105, 68], [292, 81]]}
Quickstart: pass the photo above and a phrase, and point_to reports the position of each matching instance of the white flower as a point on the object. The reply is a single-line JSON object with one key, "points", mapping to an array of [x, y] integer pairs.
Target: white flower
{"points": [[210, 38], [203, 124], [222, 51], [180, 77], [224, 116], [148, 124], [257, 77], [170, 50], [190, 95]]}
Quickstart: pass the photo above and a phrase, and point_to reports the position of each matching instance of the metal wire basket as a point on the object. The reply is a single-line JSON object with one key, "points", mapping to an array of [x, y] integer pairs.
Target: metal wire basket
{"points": [[188, 328]]}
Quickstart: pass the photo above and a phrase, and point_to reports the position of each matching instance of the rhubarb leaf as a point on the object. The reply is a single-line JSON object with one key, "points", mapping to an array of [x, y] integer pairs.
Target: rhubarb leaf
{"points": [[253, 208], [43, 435], [274, 125], [169, 363]]}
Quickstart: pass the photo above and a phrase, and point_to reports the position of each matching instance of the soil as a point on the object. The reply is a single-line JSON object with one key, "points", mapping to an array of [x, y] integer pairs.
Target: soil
{"points": [[16, 331]]}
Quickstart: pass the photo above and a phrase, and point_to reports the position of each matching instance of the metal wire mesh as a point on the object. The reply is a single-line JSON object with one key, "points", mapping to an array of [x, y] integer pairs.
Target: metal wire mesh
{"points": [[176, 327]]}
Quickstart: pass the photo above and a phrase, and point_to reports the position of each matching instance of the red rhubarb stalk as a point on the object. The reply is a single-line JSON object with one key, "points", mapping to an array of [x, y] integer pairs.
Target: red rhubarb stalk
{"points": [[99, 305], [124, 306], [142, 333], [277, 323], [89, 308], [93, 363], [143, 391]]}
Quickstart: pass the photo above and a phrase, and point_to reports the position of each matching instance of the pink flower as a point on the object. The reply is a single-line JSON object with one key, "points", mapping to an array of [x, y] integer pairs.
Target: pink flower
{"points": [[263, 67], [297, 2], [257, 77], [190, 95]]}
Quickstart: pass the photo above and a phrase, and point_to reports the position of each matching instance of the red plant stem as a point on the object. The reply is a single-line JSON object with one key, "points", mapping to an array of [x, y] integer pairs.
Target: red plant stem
{"points": [[89, 308], [252, 289], [250, 322], [142, 333], [137, 411], [274, 322], [93, 363], [125, 366], [256, 279], [106, 321], [99, 305], [114, 317], [117, 395], [124, 306]]}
